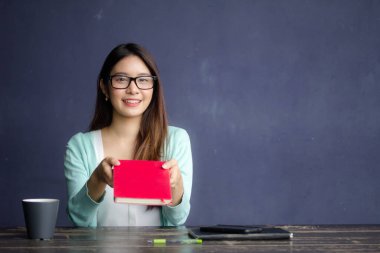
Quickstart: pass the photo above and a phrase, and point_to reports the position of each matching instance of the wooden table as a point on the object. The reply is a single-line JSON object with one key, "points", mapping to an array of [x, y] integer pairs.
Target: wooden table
{"points": [[344, 238]]}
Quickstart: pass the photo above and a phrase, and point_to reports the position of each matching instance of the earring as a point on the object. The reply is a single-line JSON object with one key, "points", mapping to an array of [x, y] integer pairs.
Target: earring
{"points": [[106, 98]]}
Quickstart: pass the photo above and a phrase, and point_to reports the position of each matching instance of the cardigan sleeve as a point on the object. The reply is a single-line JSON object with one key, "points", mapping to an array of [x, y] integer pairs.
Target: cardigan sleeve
{"points": [[180, 149], [81, 208]]}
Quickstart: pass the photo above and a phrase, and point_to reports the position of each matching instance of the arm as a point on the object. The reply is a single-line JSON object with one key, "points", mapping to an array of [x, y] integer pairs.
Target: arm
{"points": [[101, 176], [86, 188], [81, 208], [180, 151]]}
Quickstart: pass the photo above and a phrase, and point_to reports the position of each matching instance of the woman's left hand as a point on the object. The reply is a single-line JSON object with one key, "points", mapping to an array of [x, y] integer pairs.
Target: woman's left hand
{"points": [[176, 183]]}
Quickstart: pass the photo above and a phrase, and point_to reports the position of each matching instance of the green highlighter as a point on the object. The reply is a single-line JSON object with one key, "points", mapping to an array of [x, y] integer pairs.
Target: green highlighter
{"points": [[174, 241]]}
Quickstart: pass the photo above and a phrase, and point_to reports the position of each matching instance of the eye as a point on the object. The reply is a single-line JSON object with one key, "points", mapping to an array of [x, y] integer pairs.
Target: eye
{"points": [[121, 79], [144, 79]]}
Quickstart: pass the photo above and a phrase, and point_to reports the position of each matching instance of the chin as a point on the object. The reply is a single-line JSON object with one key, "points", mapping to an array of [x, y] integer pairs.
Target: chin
{"points": [[132, 115]]}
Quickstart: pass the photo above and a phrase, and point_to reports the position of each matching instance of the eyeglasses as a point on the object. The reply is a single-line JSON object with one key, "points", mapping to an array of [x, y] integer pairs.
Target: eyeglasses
{"points": [[142, 82]]}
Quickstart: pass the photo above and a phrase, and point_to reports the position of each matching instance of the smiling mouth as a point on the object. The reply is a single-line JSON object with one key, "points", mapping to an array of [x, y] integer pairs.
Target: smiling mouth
{"points": [[132, 101]]}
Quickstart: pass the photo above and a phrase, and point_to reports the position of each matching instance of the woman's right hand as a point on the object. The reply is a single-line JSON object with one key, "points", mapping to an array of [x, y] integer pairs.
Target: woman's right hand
{"points": [[104, 172], [101, 176]]}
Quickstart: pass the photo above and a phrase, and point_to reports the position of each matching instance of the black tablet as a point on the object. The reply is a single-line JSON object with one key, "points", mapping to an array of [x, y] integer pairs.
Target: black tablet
{"points": [[267, 233], [231, 229]]}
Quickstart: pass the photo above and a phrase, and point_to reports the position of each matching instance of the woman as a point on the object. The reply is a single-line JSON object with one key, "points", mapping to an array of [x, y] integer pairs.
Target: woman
{"points": [[129, 123]]}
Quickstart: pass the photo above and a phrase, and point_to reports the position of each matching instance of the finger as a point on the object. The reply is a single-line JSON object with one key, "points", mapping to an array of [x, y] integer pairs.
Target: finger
{"points": [[108, 176], [173, 177], [105, 171], [112, 161], [169, 164]]}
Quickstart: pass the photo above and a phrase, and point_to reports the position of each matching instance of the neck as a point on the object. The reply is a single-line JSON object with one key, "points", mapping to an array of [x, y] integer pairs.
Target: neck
{"points": [[125, 128]]}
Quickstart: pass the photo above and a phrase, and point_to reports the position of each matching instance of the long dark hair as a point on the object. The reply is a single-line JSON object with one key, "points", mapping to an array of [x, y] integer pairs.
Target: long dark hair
{"points": [[154, 126]]}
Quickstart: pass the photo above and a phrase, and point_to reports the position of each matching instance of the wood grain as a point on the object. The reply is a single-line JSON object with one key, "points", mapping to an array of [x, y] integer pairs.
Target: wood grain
{"points": [[324, 238]]}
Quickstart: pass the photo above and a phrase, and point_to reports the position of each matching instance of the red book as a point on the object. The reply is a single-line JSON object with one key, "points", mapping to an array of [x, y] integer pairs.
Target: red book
{"points": [[141, 182]]}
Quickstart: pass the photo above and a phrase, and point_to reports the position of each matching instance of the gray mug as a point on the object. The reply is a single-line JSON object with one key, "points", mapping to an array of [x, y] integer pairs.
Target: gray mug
{"points": [[40, 217]]}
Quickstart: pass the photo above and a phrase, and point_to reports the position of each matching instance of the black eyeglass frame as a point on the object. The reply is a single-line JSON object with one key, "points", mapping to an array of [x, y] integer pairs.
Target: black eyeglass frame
{"points": [[132, 79]]}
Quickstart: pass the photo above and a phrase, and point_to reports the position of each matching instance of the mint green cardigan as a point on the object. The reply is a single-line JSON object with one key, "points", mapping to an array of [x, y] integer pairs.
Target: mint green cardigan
{"points": [[81, 161]]}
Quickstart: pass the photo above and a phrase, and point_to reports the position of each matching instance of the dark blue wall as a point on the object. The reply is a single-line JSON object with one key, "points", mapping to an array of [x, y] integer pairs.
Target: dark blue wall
{"points": [[281, 100]]}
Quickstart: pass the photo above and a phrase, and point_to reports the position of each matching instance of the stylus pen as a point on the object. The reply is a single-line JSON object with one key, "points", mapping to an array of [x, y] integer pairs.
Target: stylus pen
{"points": [[174, 241]]}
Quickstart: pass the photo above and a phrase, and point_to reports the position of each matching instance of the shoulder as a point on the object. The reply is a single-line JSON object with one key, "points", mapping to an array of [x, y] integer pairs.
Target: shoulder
{"points": [[177, 134], [177, 144], [178, 139], [179, 147], [82, 139]]}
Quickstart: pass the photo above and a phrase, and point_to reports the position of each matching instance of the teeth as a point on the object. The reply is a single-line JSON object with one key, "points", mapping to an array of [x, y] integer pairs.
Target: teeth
{"points": [[132, 101]]}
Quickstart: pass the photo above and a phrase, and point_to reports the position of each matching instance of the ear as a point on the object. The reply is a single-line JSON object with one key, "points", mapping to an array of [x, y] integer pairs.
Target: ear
{"points": [[103, 88]]}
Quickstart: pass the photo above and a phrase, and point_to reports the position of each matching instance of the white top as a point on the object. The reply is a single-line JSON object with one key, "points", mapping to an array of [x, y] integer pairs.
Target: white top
{"points": [[117, 214]]}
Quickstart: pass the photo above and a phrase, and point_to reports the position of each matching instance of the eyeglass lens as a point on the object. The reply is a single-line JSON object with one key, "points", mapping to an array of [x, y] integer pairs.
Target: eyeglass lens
{"points": [[123, 82]]}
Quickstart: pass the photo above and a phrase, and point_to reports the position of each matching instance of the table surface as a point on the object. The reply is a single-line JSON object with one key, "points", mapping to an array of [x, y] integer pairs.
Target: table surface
{"points": [[321, 238]]}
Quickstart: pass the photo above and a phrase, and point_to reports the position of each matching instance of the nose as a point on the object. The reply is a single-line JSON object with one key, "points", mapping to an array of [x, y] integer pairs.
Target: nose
{"points": [[132, 88]]}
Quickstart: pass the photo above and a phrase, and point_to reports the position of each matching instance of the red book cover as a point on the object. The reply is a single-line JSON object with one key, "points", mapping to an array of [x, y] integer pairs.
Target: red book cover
{"points": [[141, 182]]}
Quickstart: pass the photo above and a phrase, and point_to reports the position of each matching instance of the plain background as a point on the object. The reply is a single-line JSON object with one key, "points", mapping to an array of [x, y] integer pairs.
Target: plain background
{"points": [[281, 100]]}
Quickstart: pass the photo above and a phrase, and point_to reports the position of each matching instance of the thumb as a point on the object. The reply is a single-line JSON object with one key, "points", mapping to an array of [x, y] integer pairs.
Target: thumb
{"points": [[113, 161]]}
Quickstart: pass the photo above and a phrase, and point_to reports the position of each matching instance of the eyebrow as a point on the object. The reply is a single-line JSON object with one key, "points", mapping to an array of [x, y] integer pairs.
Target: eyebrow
{"points": [[125, 74]]}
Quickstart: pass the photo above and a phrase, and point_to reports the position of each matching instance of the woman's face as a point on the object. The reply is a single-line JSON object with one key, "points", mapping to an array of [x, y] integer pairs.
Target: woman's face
{"points": [[132, 101]]}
